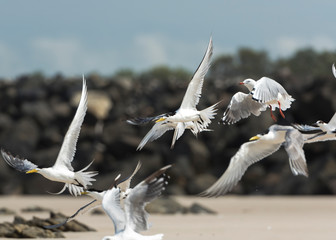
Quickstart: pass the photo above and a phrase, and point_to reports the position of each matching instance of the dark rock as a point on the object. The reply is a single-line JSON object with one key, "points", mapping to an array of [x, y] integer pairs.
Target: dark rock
{"points": [[165, 205], [196, 208], [6, 211], [35, 209]]}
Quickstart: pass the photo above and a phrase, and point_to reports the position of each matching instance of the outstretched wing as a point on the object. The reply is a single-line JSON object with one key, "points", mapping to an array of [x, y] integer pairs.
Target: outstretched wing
{"points": [[333, 70], [157, 131], [145, 192], [68, 149], [22, 165], [247, 154], [111, 205], [294, 148], [145, 120], [87, 207], [332, 122], [266, 89], [241, 106], [194, 90]]}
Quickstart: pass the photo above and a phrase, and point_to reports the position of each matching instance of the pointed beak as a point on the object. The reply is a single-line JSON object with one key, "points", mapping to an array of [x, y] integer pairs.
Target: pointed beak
{"points": [[32, 171], [160, 120], [84, 193], [254, 138], [241, 83]]}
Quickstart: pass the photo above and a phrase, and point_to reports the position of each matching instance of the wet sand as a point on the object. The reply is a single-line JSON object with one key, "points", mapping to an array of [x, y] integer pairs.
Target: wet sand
{"points": [[259, 218]]}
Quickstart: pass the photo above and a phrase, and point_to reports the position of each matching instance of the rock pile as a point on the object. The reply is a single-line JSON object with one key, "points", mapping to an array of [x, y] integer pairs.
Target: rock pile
{"points": [[34, 228], [35, 113]]}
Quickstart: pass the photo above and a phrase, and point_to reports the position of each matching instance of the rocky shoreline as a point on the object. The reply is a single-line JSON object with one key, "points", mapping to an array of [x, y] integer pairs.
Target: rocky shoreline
{"points": [[36, 112]]}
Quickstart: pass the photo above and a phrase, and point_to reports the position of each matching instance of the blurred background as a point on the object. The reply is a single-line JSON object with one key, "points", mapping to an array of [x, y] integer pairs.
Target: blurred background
{"points": [[138, 58]]}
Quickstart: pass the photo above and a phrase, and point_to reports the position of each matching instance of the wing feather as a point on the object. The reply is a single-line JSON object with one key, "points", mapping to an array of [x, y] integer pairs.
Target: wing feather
{"points": [[294, 148], [145, 192], [247, 154], [157, 131], [68, 149], [194, 90], [242, 106], [22, 165]]}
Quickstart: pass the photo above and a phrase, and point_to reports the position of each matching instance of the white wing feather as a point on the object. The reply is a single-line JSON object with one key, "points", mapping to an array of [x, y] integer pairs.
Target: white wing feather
{"points": [[247, 154], [194, 90], [68, 148], [241, 106]]}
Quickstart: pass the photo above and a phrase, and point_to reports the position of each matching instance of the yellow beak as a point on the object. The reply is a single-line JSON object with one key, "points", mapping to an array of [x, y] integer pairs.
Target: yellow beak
{"points": [[32, 171], [84, 193], [254, 138], [160, 119]]}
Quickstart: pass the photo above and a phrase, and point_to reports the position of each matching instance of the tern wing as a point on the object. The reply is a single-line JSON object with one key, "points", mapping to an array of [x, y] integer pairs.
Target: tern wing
{"points": [[22, 165], [157, 131], [333, 70], [266, 89], [125, 184], [194, 90], [145, 120], [179, 130], [241, 106], [294, 148], [143, 193], [306, 128], [87, 207], [247, 154], [68, 149], [111, 205]]}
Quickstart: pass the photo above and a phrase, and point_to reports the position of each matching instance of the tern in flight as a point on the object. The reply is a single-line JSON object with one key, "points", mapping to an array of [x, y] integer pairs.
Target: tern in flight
{"points": [[259, 147], [132, 218], [319, 131], [62, 171], [187, 116], [262, 94], [123, 185]]}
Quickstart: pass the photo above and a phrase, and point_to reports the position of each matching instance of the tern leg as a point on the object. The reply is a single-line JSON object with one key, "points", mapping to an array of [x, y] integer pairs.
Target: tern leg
{"points": [[283, 115], [272, 116]]}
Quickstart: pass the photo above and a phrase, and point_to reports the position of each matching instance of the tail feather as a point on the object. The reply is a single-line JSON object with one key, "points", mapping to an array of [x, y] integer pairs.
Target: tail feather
{"points": [[85, 178], [206, 115]]}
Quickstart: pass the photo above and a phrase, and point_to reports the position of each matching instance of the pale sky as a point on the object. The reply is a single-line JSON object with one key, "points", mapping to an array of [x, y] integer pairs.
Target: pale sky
{"points": [[76, 37]]}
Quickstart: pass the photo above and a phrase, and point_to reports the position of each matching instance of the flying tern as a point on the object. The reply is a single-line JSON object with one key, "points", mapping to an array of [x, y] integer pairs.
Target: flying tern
{"points": [[133, 218], [259, 147], [187, 116], [62, 171]]}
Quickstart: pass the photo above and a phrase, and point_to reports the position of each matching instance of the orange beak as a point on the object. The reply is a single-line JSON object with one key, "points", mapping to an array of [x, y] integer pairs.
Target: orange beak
{"points": [[241, 83]]}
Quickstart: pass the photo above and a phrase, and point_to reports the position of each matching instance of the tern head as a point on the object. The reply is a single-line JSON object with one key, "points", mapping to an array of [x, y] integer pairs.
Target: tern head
{"points": [[320, 123], [249, 83]]}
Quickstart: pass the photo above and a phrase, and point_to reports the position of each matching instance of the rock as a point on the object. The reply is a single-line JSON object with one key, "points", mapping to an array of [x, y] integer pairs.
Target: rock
{"points": [[165, 205], [36, 209], [6, 211], [196, 208]]}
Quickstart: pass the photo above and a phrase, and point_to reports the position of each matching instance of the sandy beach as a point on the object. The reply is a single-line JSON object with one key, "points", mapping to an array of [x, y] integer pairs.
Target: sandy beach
{"points": [[238, 217]]}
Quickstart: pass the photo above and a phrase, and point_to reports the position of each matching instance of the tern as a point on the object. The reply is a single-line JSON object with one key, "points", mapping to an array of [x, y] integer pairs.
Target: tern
{"points": [[259, 147], [320, 131], [187, 116], [132, 219], [61, 171], [263, 93], [123, 185]]}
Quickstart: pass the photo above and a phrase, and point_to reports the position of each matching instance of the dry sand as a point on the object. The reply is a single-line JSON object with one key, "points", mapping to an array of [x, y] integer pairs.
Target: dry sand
{"points": [[259, 218]]}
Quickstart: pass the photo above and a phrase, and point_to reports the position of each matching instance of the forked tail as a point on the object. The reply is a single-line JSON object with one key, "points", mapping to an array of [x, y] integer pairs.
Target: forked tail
{"points": [[205, 117], [85, 178]]}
